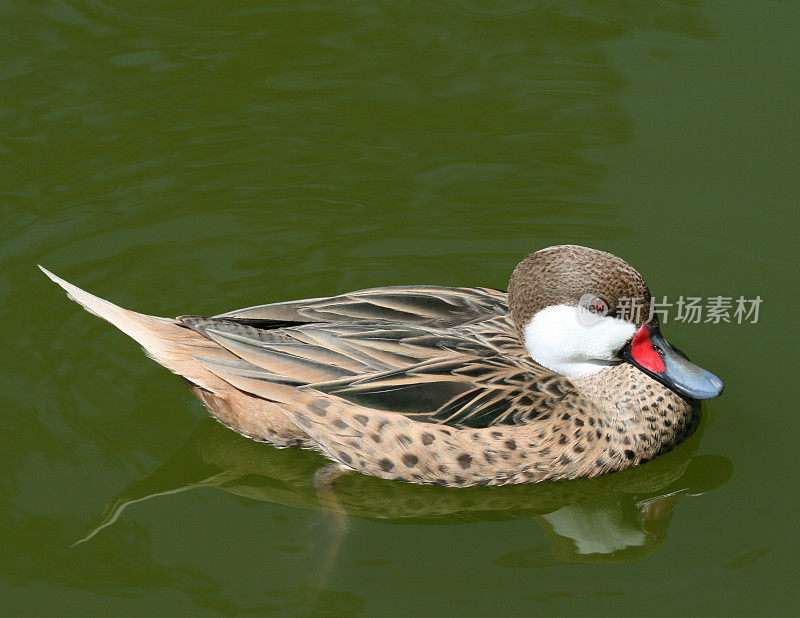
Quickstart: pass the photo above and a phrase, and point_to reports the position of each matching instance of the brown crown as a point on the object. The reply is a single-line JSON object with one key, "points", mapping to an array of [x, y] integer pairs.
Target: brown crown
{"points": [[563, 274]]}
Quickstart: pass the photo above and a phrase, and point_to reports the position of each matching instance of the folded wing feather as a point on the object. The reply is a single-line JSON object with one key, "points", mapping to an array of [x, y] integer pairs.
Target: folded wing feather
{"points": [[470, 375]]}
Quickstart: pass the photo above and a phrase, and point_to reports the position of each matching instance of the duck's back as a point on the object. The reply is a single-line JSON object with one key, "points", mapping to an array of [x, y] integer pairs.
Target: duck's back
{"points": [[429, 305], [435, 354]]}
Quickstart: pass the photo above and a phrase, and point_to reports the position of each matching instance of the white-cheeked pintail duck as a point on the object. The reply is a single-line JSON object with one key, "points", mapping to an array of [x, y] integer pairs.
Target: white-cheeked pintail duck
{"points": [[441, 385]]}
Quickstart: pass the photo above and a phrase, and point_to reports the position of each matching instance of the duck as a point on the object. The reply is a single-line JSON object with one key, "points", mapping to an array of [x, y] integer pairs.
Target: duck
{"points": [[452, 386]]}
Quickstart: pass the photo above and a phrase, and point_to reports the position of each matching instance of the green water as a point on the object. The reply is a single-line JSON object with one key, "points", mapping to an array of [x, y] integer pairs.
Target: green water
{"points": [[199, 157]]}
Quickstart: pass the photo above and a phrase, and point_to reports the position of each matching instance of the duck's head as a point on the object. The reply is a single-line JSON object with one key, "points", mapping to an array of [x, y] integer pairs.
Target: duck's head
{"points": [[579, 311]]}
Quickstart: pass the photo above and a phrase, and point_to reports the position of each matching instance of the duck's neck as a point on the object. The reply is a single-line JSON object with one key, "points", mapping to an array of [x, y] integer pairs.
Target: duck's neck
{"points": [[639, 414]]}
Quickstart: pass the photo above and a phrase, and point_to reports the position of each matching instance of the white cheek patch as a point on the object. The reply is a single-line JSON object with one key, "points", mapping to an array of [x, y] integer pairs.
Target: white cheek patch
{"points": [[575, 342]]}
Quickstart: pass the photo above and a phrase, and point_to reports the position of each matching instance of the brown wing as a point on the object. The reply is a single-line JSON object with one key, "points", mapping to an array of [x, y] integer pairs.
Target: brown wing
{"points": [[466, 391], [471, 376], [316, 353], [434, 306]]}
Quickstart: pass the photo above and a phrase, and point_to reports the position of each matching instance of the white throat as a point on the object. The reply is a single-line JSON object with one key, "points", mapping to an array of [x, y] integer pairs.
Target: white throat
{"points": [[574, 341]]}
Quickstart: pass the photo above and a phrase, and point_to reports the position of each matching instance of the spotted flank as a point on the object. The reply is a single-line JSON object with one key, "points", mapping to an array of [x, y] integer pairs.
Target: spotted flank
{"points": [[437, 385]]}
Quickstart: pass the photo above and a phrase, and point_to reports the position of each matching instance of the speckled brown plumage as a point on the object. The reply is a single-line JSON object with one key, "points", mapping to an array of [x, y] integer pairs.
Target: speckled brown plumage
{"points": [[425, 384], [574, 438]]}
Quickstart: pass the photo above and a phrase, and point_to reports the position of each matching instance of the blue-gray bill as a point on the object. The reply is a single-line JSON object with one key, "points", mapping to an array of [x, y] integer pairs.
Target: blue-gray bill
{"points": [[651, 353]]}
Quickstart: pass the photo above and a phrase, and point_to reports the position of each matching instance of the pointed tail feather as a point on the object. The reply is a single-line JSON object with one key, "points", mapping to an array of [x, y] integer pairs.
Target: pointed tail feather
{"points": [[138, 326], [164, 339]]}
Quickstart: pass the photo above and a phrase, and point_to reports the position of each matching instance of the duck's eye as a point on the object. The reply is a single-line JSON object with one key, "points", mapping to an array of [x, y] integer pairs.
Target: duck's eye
{"points": [[598, 305]]}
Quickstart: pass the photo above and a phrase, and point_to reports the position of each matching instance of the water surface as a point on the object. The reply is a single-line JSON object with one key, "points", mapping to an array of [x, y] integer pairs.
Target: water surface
{"points": [[195, 159]]}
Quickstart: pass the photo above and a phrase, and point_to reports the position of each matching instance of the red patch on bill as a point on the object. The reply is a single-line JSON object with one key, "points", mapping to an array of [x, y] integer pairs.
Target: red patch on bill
{"points": [[643, 353]]}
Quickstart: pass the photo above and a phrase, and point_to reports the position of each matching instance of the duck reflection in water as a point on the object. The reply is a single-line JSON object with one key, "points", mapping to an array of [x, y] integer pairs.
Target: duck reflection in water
{"points": [[618, 517]]}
